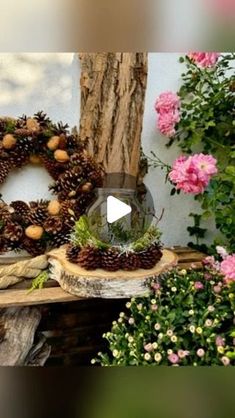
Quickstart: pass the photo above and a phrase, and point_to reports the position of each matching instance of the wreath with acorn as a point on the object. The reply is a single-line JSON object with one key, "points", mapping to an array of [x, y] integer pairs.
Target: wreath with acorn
{"points": [[42, 225]]}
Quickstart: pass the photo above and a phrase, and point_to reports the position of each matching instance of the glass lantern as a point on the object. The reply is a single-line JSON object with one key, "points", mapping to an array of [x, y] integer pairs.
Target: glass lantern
{"points": [[127, 228]]}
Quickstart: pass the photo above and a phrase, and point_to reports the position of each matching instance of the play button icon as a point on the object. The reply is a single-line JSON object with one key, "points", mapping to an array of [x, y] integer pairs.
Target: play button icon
{"points": [[116, 209]]}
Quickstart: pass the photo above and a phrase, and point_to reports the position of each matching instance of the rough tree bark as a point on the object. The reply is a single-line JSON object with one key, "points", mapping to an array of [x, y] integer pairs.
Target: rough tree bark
{"points": [[113, 89]]}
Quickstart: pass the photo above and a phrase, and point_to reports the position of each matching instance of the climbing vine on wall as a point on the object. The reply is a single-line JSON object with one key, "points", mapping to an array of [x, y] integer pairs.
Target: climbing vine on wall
{"points": [[200, 118]]}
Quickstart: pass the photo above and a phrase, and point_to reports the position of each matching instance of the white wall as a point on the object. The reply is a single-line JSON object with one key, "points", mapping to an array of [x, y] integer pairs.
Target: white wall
{"points": [[31, 82]]}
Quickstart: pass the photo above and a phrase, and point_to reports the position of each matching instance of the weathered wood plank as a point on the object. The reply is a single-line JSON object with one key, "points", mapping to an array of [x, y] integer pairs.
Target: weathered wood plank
{"points": [[37, 297]]}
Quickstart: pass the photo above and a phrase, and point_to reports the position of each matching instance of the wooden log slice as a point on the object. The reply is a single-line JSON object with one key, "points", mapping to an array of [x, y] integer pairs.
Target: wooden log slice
{"points": [[103, 284]]}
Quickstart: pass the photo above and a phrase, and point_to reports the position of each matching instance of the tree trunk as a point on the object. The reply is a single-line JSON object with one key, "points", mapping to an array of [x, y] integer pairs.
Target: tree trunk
{"points": [[113, 89]]}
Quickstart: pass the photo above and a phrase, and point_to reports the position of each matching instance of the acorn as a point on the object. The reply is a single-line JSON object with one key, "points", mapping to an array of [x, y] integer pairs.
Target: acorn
{"points": [[61, 156], [35, 159], [53, 143], [34, 232], [32, 125], [54, 207], [9, 141], [86, 188]]}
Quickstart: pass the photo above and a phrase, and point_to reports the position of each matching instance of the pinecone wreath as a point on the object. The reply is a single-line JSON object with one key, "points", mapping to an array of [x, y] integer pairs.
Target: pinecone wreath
{"points": [[37, 226]]}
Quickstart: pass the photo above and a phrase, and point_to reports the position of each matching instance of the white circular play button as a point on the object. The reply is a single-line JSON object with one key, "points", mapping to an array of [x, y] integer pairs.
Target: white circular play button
{"points": [[116, 209]]}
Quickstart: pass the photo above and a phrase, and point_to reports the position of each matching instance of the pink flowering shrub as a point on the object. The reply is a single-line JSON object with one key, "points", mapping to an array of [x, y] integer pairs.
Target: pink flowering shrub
{"points": [[228, 267], [167, 106], [204, 59], [192, 174], [193, 325]]}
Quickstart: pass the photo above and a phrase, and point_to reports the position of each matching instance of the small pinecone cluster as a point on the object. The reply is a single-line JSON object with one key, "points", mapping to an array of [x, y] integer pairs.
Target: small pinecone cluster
{"points": [[111, 260]]}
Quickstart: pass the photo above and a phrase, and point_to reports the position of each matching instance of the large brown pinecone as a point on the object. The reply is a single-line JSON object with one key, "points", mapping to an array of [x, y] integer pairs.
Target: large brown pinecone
{"points": [[42, 119], [33, 247], [129, 261], [110, 260], [89, 258], [69, 213], [5, 168], [38, 215], [72, 252], [13, 232], [21, 208], [70, 180], [60, 238], [149, 257], [53, 224]]}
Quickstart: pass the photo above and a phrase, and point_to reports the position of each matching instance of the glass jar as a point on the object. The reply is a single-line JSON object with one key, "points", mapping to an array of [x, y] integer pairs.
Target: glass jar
{"points": [[127, 228]]}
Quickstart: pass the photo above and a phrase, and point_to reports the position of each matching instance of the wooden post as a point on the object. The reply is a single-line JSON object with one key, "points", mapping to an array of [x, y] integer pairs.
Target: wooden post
{"points": [[113, 89]]}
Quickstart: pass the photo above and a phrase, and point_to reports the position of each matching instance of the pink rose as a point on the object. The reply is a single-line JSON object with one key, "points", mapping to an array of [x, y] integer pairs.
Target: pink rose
{"points": [[167, 102], [166, 123], [204, 59], [198, 285], [192, 174], [217, 289], [227, 267], [173, 358], [225, 360]]}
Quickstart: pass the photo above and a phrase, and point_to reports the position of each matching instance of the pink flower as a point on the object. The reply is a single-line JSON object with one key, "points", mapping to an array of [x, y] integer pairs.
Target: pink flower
{"points": [[198, 285], [192, 174], [204, 59], [200, 352], [148, 347], [154, 308], [173, 358], [227, 267], [219, 341], [167, 102], [183, 353], [217, 289], [166, 123], [225, 360]]}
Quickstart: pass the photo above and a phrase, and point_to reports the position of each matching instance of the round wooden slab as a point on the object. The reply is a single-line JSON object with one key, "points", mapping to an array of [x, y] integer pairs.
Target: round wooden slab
{"points": [[103, 284]]}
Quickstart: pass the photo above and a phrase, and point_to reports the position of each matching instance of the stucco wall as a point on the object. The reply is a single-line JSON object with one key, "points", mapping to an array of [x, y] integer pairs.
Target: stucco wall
{"points": [[31, 82]]}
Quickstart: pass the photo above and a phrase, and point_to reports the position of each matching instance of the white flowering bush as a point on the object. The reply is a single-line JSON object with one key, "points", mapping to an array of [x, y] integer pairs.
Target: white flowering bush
{"points": [[188, 319]]}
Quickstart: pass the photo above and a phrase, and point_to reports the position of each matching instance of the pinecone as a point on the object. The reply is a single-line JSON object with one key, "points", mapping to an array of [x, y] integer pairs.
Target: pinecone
{"points": [[89, 258], [13, 232], [72, 253], [21, 208], [129, 261], [42, 119], [70, 180], [38, 215], [5, 213], [54, 168], [53, 224], [110, 260], [84, 201], [149, 257], [68, 212], [18, 159], [5, 245], [25, 145], [5, 168], [33, 247], [96, 178], [61, 128], [72, 142], [23, 132], [59, 239]]}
